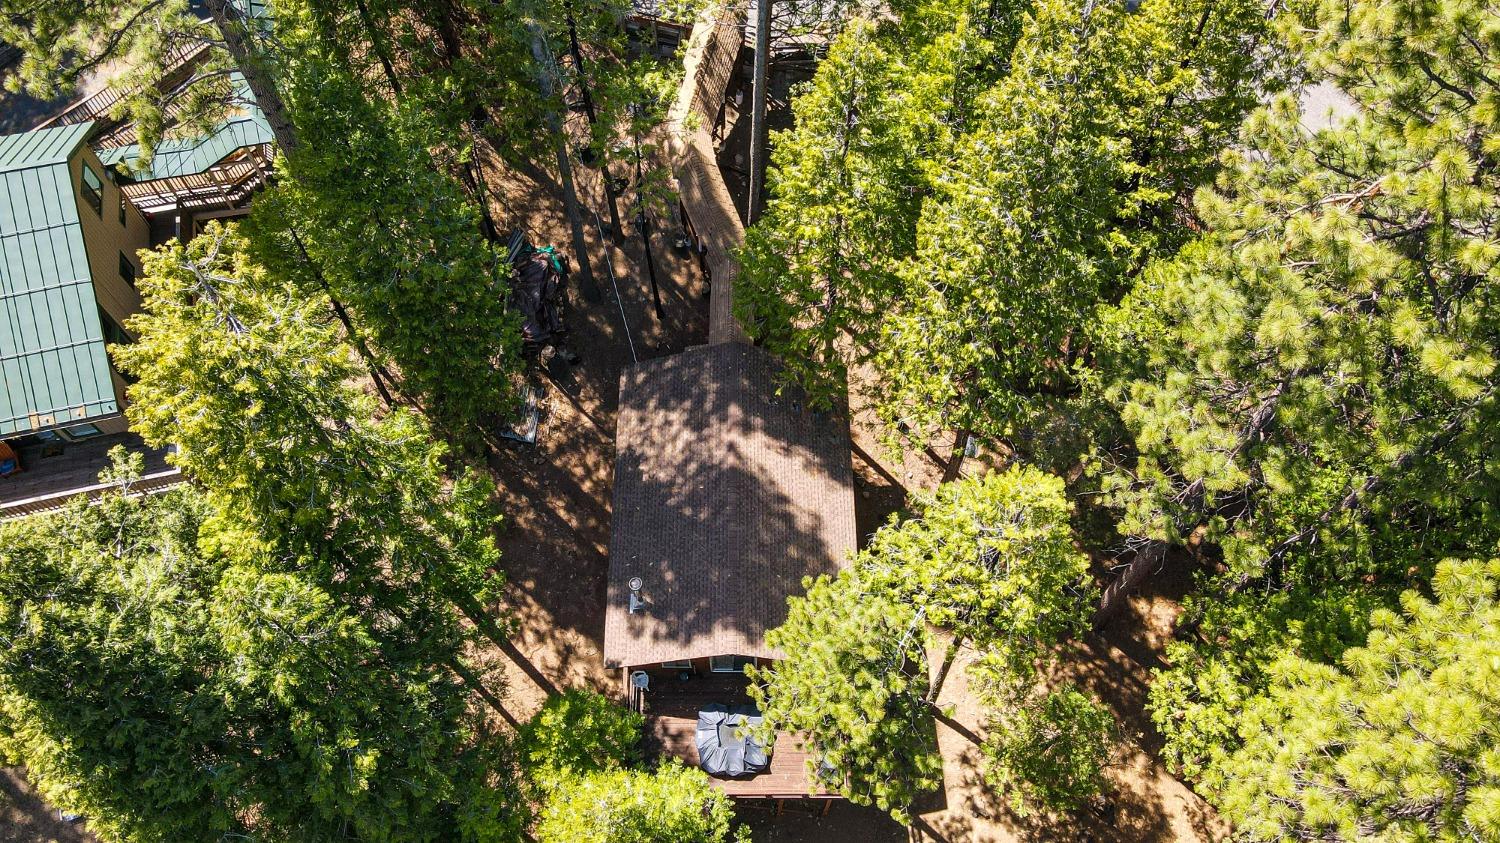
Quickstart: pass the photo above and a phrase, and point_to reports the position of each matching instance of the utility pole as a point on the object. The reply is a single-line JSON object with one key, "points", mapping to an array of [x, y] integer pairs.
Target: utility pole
{"points": [[758, 110], [545, 69]]}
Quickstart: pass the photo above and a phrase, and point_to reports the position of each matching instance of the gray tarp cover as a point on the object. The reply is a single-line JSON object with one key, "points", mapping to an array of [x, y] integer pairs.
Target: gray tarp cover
{"points": [[723, 748]]}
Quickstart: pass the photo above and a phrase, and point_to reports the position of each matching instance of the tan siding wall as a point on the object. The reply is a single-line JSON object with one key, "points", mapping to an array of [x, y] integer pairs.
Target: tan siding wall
{"points": [[106, 239]]}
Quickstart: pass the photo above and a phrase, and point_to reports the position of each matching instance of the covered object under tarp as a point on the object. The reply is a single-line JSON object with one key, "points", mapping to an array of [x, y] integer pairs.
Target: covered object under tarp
{"points": [[726, 746]]}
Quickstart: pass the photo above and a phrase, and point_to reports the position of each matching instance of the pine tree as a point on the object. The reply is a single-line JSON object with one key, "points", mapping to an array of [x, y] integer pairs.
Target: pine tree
{"points": [[1337, 314], [142, 58], [818, 267], [578, 733], [1047, 750], [968, 183], [248, 379], [873, 131], [173, 684], [1310, 383], [987, 563], [1066, 182], [854, 687], [1397, 742], [672, 804]]}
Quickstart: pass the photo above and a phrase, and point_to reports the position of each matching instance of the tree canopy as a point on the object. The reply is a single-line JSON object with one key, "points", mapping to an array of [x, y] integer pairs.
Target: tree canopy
{"points": [[1270, 336], [967, 184], [1397, 741], [1310, 386], [1278, 329], [986, 563], [346, 561], [170, 690], [672, 804], [581, 753]]}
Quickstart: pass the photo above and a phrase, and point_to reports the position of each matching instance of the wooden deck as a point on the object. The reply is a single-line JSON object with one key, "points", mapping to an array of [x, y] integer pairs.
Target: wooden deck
{"points": [[51, 476], [672, 716]]}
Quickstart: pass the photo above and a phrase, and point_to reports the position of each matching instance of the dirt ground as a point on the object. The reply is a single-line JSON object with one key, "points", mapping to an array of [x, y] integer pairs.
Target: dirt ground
{"points": [[556, 499], [24, 818]]}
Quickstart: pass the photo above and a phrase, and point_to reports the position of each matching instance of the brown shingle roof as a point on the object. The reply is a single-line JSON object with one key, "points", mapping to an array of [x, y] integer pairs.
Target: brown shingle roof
{"points": [[726, 495]]}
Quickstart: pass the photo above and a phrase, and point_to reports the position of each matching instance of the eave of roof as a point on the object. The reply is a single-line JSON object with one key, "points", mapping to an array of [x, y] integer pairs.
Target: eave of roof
{"points": [[727, 494]]}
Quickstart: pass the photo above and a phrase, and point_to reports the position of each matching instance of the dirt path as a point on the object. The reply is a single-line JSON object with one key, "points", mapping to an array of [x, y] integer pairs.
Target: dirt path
{"points": [[555, 495]]}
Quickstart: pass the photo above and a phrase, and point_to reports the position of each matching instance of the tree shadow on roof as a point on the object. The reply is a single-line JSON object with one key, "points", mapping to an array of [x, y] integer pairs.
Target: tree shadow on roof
{"points": [[726, 496]]}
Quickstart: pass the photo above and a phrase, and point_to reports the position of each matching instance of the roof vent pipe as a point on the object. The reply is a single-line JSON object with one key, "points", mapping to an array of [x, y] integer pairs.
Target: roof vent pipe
{"points": [[636, 603]]}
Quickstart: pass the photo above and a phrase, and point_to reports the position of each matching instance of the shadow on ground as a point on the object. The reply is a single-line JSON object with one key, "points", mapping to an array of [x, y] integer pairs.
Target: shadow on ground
{"points": [[24, 818]]}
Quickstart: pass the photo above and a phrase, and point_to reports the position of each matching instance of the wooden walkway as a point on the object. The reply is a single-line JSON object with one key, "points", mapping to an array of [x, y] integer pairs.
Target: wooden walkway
{"points": [[707, 204], [51, 477], [671, 721]]}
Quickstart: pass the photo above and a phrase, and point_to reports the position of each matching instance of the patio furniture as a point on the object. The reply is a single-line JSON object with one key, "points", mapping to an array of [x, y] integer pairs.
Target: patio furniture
{"points": [[725, 747], [10, 463]]}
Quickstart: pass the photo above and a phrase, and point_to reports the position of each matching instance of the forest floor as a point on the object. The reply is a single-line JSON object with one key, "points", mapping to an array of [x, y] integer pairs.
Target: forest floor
{"points": [[25, 818]]}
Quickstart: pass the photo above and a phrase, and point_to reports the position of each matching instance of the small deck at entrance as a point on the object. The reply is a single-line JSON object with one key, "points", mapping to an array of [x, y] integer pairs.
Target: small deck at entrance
{"points": [[671, 709], [54, 472]]}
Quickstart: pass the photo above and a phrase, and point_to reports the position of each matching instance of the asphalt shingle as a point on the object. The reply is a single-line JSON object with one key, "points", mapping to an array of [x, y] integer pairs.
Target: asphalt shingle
{"points": [[726, 495]]}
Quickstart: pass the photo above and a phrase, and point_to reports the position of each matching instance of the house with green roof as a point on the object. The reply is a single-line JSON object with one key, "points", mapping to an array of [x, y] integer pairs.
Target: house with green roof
{"points": [[68, 263], [199, 178]]}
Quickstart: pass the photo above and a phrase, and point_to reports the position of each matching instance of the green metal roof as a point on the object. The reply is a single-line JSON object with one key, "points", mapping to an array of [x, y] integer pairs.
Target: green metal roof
{"points": [[42, 147], [196, 155], [52, 358]]}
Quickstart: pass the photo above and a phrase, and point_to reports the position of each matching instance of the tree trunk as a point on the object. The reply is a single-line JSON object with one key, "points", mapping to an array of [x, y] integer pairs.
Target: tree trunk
{"points": [[377, 41], [469, 173], [240, 43], [955, 464], [564, 166], [1146, 560], [758, 110], [378, 372], [474, 611], [588, 109], [473, 683], [949, 656], [364, 350]]}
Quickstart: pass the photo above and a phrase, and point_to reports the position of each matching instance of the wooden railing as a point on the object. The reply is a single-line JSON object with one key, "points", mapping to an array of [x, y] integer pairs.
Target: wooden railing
{"points": [[227, 184], [150, 484], [97, 106]]}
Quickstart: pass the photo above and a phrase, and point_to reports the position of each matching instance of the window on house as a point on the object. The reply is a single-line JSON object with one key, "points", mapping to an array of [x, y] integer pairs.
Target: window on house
{"points": [[685, 664], [729, 664], [92, 189], [127, 270], [113, 333], [80, 431], [123, 203]]}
